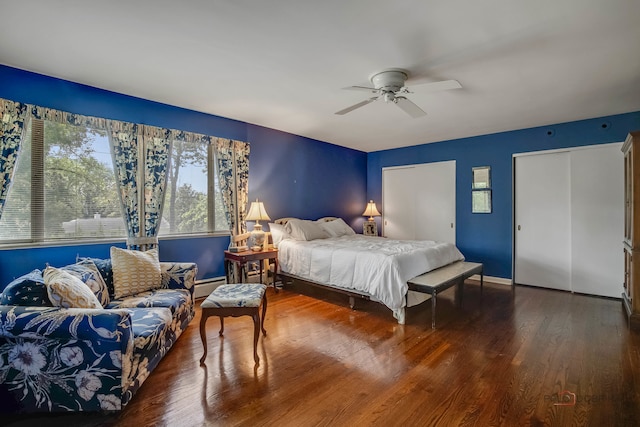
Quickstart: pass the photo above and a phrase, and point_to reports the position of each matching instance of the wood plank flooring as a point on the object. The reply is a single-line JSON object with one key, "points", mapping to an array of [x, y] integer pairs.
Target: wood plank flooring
{"points": [[539, 357]]}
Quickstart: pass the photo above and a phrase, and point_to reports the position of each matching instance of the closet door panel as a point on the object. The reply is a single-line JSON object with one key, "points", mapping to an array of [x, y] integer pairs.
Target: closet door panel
{"points": [[418, 202], [436, 202], [597, 220], [398, 203], [543, 221]]}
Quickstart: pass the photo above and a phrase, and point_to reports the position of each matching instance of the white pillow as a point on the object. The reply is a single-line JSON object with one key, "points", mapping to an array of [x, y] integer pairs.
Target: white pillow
{"points": [[278, 233], [337, 228], [67, 291], [300, 229], [135, 271]]}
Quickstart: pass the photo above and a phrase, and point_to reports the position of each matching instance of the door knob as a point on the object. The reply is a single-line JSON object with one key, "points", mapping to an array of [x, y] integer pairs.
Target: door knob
{"points": [[518, 227]]}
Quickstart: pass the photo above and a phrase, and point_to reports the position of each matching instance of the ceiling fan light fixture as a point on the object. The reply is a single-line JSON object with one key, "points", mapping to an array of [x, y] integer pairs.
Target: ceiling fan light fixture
{"points": [[390, 80], [389, 85]]}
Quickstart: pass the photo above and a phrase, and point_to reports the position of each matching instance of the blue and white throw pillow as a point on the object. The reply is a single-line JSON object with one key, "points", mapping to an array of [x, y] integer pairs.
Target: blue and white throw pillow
{"points": [[27, 290], [88, 273]]}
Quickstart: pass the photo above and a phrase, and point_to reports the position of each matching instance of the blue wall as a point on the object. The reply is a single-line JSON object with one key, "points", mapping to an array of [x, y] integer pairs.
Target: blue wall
{"points": [[297, 176], [294, 176], [487, 238]]}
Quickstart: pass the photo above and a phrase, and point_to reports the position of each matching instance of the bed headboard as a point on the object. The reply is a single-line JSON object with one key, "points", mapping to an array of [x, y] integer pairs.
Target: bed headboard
{"points": [[283, 221]]}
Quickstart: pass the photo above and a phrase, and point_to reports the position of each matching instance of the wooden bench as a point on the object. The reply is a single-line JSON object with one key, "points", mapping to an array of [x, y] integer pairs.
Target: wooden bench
{"points": [[442, 278]]}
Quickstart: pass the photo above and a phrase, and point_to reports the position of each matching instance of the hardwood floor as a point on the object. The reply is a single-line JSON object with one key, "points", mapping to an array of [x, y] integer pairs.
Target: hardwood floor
{"points": [[499, 360]]}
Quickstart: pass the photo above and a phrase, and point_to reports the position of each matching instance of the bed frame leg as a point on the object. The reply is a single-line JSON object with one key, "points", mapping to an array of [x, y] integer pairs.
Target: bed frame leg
{"points": [[401, 315], [352, 302]]}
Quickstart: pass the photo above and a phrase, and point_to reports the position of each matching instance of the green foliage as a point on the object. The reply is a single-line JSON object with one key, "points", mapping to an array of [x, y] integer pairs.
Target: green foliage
{"points": [[76, 184]]}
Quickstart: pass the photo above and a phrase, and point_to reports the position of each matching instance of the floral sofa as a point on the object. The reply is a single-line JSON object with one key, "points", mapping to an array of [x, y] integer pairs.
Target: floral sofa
{"points": [[87, 359]]}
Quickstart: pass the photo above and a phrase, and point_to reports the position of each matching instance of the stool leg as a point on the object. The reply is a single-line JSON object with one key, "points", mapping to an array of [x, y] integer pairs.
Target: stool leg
{"points": [[203, 336], [256, 334], [221, 326], [264, 311]]}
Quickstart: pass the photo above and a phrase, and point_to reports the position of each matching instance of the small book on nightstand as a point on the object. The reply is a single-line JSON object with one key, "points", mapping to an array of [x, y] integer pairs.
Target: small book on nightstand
{"points": [[238, 248]]}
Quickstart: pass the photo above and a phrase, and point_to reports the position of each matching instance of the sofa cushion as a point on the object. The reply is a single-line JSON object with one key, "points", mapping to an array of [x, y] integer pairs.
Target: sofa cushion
{"points": [[169, 298], [148, 322], [134, 271], [150, 328], [88, 272], [67, 291], [27, 290]]}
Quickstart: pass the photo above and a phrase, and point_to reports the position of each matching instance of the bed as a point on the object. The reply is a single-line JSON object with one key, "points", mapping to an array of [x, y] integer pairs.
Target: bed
{"points": [[330, 254]]}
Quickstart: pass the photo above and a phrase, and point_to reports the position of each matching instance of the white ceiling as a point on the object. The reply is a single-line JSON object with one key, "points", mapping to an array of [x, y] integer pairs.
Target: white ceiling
{"points": [[282, 63]]}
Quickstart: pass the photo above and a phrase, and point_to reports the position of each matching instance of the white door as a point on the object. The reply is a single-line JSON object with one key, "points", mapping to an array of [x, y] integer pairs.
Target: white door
{"points": [[542, 220], [569, 212], [597, 220], [419, 202], [398, 203]]}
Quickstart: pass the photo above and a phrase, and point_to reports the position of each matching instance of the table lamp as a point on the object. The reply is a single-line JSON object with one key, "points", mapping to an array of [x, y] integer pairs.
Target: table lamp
{"points": [[369, 227], [257, 213]]}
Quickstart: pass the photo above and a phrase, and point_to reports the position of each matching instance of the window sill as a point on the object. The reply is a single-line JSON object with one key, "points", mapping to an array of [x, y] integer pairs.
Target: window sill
{"points": [[86, 242]]}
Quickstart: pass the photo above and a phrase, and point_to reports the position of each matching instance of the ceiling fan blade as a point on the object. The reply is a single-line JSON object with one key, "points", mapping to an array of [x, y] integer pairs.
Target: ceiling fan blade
{"points": [[409, 107], [362, 89], [438, 86], [358, 105]]}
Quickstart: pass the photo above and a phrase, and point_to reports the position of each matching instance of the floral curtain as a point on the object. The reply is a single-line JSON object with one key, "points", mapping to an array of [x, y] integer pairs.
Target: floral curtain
{"points": [[141, 159], [64, 117], [157, 144], [233, 176], [141, 156], [125, 149], [12, 118]]}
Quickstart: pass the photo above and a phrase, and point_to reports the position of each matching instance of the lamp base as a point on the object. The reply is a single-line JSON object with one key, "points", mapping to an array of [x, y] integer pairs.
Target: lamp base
{"points": [[370, 228], [257, 238]]}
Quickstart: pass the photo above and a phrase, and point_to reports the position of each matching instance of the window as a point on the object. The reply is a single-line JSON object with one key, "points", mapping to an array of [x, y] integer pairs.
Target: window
{"points": [[193, 203], [64, 188]]}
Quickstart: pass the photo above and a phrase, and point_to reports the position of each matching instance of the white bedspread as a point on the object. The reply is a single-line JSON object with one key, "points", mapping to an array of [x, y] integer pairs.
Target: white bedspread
{"points": [[376, 265]]}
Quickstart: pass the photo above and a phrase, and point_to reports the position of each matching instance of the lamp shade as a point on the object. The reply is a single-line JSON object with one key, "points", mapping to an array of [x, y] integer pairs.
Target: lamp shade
{"points": [[371, 210], [257, 212]]}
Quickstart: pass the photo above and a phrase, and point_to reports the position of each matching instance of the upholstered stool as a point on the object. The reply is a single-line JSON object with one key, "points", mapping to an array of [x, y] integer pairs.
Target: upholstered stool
{"points": [[238, 299]]}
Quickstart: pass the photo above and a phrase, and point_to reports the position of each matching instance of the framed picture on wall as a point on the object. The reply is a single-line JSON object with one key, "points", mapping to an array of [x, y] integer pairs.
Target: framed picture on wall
{"points": [[370, 228], [481, 201], [481, 190]]}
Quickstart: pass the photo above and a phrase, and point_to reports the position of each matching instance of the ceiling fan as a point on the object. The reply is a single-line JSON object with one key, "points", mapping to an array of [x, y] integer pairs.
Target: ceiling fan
{"points": [[389, 86]]}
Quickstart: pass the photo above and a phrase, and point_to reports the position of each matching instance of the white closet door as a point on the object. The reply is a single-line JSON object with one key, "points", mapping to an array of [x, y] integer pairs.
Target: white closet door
{"points": [[398, 203], [597, 220], [436, 204], [419, 202], [543, 220]]}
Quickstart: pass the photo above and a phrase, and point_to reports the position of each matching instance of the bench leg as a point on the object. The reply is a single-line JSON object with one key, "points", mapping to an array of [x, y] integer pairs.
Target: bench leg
{"points": [[221, 325], [433, 310]]}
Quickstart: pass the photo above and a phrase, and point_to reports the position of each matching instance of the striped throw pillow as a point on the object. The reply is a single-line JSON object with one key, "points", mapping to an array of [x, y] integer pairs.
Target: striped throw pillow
{"points": [[134, 271], [67, 291]]}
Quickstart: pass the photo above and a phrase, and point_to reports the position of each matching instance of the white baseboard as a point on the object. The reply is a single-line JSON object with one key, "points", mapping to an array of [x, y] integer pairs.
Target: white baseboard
{"points": [[497, 280], [204, 287]]}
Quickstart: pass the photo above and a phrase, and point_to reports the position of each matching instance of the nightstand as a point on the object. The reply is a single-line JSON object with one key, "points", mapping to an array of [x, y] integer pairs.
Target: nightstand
{"points": [[242, 258]]}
